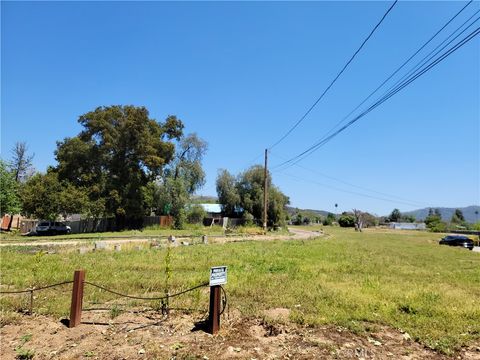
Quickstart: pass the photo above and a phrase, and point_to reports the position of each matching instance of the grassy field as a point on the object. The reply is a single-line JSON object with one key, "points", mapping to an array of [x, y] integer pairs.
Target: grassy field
{"points": [[355, 280]]}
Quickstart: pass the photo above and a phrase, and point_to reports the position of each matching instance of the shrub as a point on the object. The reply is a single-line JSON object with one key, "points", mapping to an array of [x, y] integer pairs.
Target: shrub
{"points": [[196, 214], [346, 220], [249, 219]]}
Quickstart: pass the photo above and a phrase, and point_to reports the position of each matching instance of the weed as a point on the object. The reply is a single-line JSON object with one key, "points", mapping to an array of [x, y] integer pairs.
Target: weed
{"points": [[24, 354], [115, 311], [168, 276]]}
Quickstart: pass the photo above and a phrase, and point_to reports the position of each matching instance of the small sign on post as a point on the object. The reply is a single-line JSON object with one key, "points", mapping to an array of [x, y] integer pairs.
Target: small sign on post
{"points": [[218, 276]]}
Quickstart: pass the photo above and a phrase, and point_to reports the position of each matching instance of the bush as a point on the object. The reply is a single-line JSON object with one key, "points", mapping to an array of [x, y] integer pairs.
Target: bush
{"points": [[346, 220], [179, 220], [329, 219], [196, 214], [439, 226], [249, 219]]}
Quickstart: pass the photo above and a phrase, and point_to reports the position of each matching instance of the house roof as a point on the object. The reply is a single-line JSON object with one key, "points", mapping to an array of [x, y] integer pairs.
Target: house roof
{"points": [[212, 208]]}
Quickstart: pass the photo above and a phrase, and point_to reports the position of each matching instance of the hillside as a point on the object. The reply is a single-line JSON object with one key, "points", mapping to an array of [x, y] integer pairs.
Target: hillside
{"points": [[293, 210], [468, 213]]}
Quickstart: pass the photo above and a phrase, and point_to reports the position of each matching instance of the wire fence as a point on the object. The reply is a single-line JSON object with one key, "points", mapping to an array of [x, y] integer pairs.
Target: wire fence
{"points": [[165, 307], [165, 297], [33, 289]]}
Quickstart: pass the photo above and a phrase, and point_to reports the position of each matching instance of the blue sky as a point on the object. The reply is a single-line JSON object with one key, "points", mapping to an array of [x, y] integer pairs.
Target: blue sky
{"points": [[240, 74]]}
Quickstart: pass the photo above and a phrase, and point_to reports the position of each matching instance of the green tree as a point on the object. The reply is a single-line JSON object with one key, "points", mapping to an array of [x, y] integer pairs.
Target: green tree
{"points": [[118, 152], [277, 201], [346, 220], [330, 219], [395, 216], [181, 178], [45, 197], [250, 184], [298, 219], [196, 214], [434, 221], [227, 193], [408, 218], [370, 220], [246, 192], [187, 163], [457, 217], [9, 199]]}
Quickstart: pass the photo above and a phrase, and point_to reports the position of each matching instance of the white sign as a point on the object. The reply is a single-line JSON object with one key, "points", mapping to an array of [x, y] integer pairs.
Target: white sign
{"points": [[218, 275]]}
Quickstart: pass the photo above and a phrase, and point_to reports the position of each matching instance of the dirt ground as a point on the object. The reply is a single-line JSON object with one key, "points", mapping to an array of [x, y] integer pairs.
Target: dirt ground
{"points": [[145, 334]]}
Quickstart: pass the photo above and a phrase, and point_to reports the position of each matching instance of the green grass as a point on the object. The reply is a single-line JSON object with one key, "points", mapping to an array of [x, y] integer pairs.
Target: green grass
{"points": [[355, 280]]}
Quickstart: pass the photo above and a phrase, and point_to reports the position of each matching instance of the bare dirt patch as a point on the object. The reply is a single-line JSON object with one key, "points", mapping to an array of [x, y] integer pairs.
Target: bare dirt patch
{"points": [[146, 334]]}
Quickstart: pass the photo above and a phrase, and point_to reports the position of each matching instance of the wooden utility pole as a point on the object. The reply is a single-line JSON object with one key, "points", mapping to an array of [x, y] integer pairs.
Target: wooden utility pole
{"points": [[265, 192]]}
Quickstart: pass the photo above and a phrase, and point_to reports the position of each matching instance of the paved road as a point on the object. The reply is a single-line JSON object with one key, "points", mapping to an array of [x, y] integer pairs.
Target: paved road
{"points": [[476, 249]]}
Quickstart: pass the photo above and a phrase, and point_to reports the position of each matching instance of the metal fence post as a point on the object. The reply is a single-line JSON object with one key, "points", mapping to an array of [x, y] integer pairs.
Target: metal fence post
{"points": [[77, 298]]}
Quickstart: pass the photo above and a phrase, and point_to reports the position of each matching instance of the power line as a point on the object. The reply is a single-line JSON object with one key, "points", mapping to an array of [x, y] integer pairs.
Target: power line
{"points": [[384, 98], [410, 58], [349, 192], [335, 79], [403, 200], [325, 139]]}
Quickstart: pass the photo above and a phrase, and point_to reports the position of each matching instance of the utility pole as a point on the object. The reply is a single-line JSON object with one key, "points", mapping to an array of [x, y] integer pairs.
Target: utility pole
{"points": [[265, 193]]}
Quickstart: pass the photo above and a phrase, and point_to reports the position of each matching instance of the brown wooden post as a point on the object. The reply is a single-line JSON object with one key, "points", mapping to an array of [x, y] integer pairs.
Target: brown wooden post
{"points": [[77, 298], [214, 314]]}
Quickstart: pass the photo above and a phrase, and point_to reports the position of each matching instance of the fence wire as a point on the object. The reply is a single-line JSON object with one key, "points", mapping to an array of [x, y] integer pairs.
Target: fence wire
{"points": [[33, 289], [146, 298]]}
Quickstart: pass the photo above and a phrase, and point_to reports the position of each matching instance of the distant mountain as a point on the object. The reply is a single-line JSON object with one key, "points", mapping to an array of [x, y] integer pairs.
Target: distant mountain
{"points": [[203, 199], [292, 210], [468, 213]]}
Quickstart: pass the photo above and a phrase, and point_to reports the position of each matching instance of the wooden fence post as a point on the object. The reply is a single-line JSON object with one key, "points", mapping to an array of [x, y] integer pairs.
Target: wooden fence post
{"points": [[77, 298], [214, 312]]}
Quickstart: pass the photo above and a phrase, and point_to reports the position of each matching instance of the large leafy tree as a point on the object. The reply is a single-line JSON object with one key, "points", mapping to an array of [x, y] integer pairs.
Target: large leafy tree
{"points": [[117, 154], [45, 197], [245, 193], [227, 193], [457, 217], [250, 186], [181, 178], [395, 216]]}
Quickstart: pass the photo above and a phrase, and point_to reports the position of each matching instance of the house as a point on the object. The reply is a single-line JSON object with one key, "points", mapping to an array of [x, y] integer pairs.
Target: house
{"points": [[212, 210], [407, 226]]}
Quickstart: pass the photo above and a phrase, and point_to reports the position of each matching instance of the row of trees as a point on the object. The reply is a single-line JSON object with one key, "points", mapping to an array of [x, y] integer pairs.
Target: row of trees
{"points": [[435, 223], [122, 164], [242, 196]]}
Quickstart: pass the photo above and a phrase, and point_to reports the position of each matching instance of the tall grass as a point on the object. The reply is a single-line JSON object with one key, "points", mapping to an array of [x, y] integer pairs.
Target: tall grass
{"points": [[404, 280]]}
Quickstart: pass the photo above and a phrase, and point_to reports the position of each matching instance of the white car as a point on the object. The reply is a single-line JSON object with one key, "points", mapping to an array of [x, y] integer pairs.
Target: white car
{"points": [[52, 228]]}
